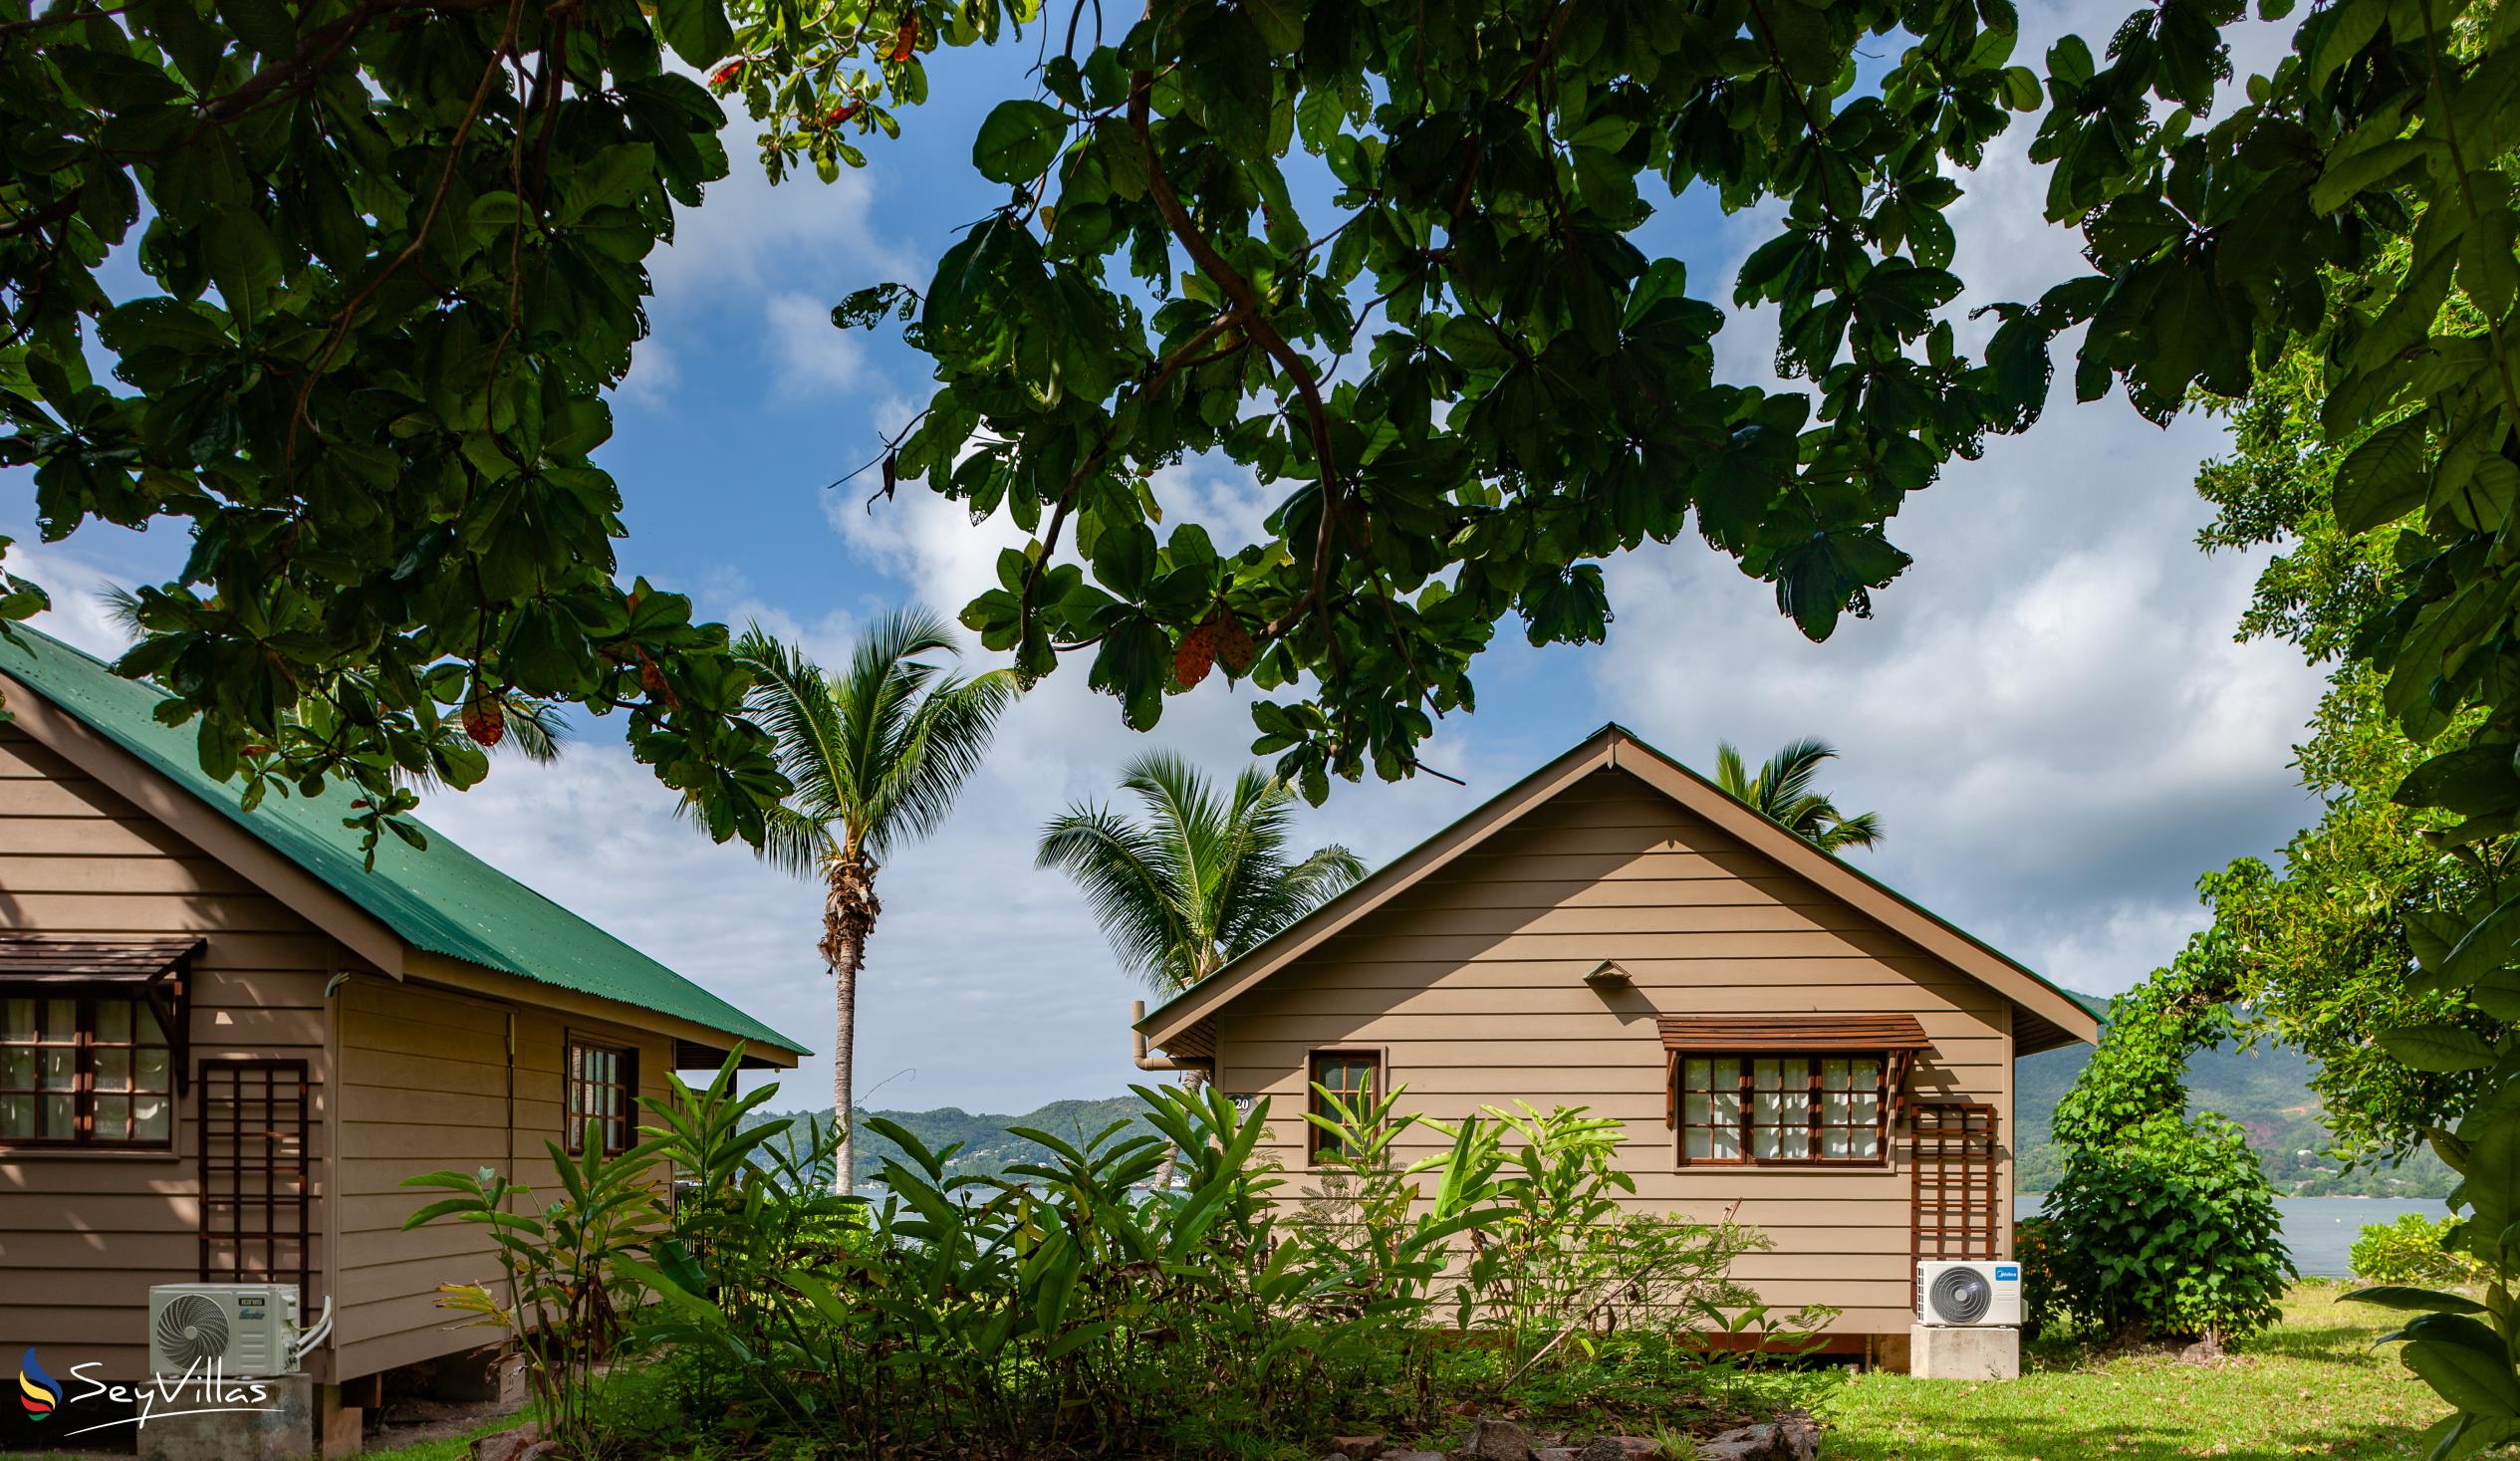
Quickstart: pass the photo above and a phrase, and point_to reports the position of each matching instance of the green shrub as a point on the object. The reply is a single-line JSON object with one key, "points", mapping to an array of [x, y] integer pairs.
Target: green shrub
{"points": [[1064, 1310], [2409, 1251], [2042, 1296], [2169, 1230]]}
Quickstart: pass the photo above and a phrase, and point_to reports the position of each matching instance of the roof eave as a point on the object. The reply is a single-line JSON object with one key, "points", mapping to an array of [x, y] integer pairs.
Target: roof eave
{"points": [[1385, 883], [129, 776], [1615, 746], [464, 974]]}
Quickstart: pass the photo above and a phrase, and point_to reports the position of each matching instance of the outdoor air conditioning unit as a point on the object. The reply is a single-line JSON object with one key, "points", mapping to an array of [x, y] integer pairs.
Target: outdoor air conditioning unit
{"points": [[1968, 1294], [243, 1331]]}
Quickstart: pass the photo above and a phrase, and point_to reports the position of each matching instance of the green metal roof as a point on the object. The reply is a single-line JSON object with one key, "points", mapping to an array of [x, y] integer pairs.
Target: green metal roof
{"points": [[443, 900]]}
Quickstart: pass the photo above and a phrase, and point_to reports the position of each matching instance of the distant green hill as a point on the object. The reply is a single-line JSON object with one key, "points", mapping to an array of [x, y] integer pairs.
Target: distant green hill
{"points": [[987, 1147], [2265, 1090]]}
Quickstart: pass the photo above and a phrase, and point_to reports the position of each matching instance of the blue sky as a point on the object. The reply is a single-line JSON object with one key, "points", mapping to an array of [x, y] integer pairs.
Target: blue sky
{"points": [[2047, 711]]}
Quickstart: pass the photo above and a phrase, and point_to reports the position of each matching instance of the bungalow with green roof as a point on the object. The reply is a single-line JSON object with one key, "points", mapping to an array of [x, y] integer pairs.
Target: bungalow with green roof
{"points": [[224, 1042]]}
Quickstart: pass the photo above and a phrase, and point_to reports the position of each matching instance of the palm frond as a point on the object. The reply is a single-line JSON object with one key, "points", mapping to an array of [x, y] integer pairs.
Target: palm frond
{"points": [[1208, 875], [942, 745], [1731, 773], [1783, 793], [537, 730], [1861, 831], [795, 843], [1122, 871], [877, 695], [1788, 774], [792, 700]]}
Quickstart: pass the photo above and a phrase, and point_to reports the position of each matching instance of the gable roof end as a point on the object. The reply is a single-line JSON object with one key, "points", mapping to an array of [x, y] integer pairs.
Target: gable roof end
{"points": [[443, 901], [2044, 1014]]}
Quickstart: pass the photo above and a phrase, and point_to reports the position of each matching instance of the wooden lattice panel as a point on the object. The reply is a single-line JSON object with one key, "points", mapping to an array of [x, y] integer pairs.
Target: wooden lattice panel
{"points": [[1956, 1205], [256, 1177]]}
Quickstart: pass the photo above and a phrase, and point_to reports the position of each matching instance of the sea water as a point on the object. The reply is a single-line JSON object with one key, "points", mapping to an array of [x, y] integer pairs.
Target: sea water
{"points": [[2319, 1231]]}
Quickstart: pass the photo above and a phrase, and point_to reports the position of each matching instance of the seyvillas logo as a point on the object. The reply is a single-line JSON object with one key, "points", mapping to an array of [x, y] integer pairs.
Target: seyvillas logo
{"points": [[39, 1392], [205, 1388]]}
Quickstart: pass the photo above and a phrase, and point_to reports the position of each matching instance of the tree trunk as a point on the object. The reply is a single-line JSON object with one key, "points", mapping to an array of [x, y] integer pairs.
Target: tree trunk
{"points": [[849, 913], [1192, 1078]]}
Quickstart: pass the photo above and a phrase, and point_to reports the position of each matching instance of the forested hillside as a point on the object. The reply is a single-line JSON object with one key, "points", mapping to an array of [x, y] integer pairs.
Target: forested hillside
{"points": [[987, 1147], [2265, 1089]]}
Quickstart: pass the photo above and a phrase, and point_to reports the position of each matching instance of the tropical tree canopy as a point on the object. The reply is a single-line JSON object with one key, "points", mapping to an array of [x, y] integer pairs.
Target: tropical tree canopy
{"points": [[1203, 879], [2316, 946], [393, 257], [396, 254], [1782, 793]]}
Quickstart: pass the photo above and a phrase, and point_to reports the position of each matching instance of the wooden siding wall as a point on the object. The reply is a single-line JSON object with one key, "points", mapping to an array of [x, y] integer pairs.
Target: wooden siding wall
{"points": [[1471, 984], [424, 1086], [83, 1235]]}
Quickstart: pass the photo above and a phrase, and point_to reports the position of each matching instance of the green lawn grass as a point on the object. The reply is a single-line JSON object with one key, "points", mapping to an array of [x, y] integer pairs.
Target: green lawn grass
{"points": [[2311, 1387], [455, 1447]]}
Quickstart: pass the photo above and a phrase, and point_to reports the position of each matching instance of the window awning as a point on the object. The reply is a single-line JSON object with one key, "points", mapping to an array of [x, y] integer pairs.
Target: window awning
{"points": [[147, 969], [36, 958], [1800, 1034], [1898, 1035]]}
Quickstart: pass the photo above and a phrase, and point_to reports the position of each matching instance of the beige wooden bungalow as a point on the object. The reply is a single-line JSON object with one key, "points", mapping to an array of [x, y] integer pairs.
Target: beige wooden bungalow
{"points": [[224, 1042], [1774, 1028]]}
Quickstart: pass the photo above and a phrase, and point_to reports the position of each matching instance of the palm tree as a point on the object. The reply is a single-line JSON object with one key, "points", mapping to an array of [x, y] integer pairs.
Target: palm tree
{"points": [[876, 755], [1782, 793], [1203, 879]]}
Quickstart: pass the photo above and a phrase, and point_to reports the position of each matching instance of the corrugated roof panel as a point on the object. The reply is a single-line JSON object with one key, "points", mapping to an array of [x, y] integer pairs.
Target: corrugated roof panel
{"points": [[443, 900]]}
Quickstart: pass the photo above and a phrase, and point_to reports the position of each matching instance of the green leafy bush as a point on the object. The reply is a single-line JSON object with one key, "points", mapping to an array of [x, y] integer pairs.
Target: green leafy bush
{"points": [[1064, 1309], [2042, 1296], [2170, 1231], [2410, 1251]]}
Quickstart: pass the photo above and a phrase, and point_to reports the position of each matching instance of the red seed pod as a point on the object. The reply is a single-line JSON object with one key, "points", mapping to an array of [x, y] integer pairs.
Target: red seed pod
{"points": [[1194, 656], [652, 680], [725, 76], [1235, 648], [485, 718], [907, 41]]}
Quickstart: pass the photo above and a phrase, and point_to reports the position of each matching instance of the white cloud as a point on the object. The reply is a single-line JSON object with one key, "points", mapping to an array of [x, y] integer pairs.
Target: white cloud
{"points": [[814, 356], [77, 578], [731, 266]]}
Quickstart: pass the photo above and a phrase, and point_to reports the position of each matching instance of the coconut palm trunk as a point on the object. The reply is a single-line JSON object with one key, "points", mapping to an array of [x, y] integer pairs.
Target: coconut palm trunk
{"points": [[875, 756], [849, 908]]}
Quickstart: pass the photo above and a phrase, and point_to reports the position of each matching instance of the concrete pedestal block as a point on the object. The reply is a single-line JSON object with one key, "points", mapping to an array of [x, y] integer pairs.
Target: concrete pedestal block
{"points": [[1936, 1352], [282, 1427]]}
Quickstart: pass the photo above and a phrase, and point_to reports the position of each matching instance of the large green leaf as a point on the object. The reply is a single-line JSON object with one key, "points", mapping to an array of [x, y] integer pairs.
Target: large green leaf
{"points": [[2383, 479], [2441, 1049], [1017, 140], [697, 30]]}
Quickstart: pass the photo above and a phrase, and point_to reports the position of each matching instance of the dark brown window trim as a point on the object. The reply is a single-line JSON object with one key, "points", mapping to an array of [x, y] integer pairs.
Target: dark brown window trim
{"points": [[1677, 1098], [1376, 1089], [621, 1128], [84, 1042]]}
